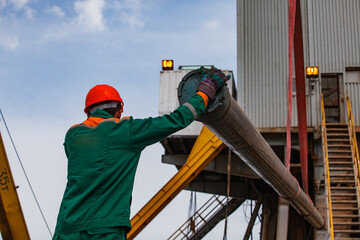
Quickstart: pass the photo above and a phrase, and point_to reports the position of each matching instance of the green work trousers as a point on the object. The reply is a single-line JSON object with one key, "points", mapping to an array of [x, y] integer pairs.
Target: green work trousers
{"points": [[111, 233]]}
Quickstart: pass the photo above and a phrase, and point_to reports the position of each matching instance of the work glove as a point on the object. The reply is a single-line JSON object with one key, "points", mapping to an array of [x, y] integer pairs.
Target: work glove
{"points": [[212, 81]]}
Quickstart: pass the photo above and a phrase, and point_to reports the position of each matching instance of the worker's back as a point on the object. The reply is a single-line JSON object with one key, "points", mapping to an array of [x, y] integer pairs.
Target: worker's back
{"points": [[101, 169]]}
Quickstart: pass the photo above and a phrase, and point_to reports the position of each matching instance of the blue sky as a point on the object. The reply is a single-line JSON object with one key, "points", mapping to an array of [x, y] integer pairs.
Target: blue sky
{"points": [[53, 52]]}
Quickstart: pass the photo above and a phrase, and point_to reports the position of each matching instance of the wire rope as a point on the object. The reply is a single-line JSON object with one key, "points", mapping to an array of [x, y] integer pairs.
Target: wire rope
{"points": [[23, 169]]}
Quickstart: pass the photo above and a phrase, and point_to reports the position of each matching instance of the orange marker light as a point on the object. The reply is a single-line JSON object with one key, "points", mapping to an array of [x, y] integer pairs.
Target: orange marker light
{"points": [[167, 65], [312, 72]]}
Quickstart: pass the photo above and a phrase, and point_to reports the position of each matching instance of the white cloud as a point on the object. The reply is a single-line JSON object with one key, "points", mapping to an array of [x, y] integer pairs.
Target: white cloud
{"points": [[19, 4], [9, 42], [130, 12], [212, 24], [133, 19], [90, 17], [56, 10], [2, 4], [29, 12]]}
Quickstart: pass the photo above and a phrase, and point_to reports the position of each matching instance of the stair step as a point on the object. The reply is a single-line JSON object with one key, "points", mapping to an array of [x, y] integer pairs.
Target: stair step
{"points": [[341, 181], [346, 231], [346, 223], [336, 129], [334, 188], [339, 151], [343, 195], [345, 201], [341, 169], [345, 135], [338, 140], [344, 140], [336, 124], [344, 209], [342, 159], [340, 163], [346, 216], [341, 175], [346, 148], [339, 145], [339, 156], [337, 194], [349, 238], [346, 179]]}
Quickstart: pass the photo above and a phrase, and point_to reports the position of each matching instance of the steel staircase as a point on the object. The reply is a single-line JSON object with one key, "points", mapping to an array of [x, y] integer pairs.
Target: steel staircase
{"points": [[206, 218], [343, 190], [341, 162]]}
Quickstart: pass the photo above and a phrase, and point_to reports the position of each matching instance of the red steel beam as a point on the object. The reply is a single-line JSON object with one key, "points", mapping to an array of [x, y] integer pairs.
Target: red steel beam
{"points": [[291, 16], [301, 95]]}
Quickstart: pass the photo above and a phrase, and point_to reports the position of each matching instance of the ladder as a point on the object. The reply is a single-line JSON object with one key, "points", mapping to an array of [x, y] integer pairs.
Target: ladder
{"points": [[206, 218], [343, 190]]}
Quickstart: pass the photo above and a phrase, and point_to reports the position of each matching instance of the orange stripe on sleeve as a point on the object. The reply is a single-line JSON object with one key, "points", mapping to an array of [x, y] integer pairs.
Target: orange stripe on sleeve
{"points": [[204, 97]]}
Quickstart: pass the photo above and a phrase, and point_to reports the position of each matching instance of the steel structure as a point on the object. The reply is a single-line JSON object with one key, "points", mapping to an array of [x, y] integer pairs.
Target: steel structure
{"points": [[226, 119]]}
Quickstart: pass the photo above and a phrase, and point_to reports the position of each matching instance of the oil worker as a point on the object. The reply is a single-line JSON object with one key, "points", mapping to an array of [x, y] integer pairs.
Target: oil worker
{"points": [[103, 153]]}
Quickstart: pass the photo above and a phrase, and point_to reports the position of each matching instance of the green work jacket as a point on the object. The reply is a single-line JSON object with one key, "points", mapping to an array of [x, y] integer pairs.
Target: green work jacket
{"points": [[103, 153]]}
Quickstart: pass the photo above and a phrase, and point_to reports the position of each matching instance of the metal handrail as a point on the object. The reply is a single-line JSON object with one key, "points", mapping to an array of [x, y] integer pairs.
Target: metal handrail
{"points": [[327, 172], [353, 141], [210, 208]]}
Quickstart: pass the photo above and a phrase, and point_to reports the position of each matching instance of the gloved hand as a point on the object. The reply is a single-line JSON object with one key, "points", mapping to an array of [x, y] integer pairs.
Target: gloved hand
{"points": [[212, 81]]}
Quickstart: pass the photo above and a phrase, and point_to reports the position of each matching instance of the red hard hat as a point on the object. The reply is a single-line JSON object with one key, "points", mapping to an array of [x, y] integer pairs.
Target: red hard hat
{"points": [[101, 93]]}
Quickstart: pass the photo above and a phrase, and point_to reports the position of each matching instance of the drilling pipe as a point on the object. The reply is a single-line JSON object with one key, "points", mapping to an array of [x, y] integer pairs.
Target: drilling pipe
{"points": [[227, 121]]}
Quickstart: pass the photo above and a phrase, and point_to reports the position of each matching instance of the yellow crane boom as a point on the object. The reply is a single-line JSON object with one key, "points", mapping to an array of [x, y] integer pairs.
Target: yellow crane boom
{"points": [[12, 221], [206, 147]]}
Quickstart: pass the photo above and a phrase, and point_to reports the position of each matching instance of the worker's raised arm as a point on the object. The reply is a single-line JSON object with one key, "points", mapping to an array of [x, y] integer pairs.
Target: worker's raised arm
{"points": [[145, 132]]}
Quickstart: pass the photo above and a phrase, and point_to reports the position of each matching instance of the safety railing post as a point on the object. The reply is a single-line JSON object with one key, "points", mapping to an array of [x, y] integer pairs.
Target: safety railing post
{"points": [[327, 171], [353, 141]]}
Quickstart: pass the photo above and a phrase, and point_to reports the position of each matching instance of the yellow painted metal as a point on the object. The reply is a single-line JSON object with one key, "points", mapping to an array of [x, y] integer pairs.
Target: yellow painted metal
{"points": [[206, 147], [12, 221], [327, 172], [354, 146]]}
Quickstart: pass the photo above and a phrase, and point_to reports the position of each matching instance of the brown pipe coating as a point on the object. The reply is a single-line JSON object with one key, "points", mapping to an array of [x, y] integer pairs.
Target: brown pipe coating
{"points": [[233, 127]]}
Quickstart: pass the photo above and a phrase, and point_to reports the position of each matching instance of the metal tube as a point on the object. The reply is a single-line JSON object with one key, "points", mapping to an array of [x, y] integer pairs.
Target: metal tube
{"points": [[233, 127], [227, 121]]}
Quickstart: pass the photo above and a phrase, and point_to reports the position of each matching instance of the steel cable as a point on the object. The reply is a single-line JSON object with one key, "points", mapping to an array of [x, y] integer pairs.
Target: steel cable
{"points": [[27, 179]]}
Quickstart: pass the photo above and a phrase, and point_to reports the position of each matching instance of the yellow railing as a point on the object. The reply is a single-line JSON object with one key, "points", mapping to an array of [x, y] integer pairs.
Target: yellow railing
{"points": [[327, 172], [353, 140]]}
